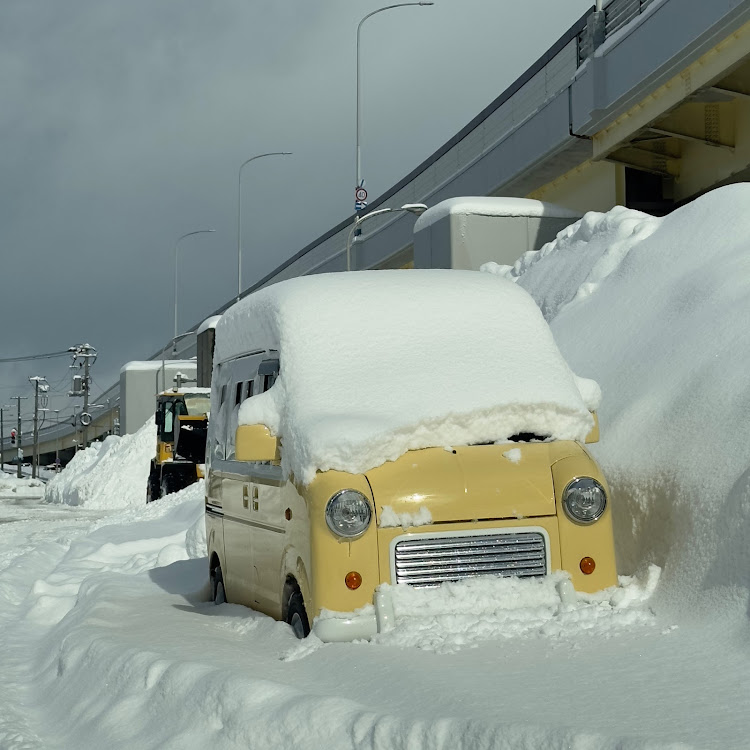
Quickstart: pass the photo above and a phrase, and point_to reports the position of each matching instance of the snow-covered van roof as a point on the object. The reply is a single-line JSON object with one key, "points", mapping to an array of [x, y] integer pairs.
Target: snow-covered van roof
{"points": [[376, 363]]}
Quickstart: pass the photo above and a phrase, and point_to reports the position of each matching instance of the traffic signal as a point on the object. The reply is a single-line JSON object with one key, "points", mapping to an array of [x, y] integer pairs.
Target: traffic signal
{"points": [[12, 437]]}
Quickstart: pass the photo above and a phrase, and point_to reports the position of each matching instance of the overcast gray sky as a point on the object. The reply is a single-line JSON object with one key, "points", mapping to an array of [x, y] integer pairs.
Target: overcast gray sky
{"points": [[123, 124]]}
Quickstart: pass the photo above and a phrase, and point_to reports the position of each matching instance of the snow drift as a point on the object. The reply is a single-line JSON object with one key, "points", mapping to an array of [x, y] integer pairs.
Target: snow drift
{"points": [[658, 311], [110, 474], [377, 363]]}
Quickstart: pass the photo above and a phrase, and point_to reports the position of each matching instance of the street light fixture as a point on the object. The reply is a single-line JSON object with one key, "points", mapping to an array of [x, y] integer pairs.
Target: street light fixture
{"points": [[413, 208], [239, 214], [359, 119], [189, 234]]}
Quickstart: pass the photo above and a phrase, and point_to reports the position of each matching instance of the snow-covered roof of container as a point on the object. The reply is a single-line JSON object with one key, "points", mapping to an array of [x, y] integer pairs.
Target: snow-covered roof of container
{"points": [[150, 365], [376, 363], [482, 206], [208, 323]]}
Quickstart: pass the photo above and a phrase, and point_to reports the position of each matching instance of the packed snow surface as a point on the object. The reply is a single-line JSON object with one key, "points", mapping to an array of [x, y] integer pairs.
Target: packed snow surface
{"points": [[109, 640], [377, 363], [11, 487]]}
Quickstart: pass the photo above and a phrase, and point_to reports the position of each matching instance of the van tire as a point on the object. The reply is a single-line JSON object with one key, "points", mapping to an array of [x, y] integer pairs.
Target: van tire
{"points": [[296, 615], [217, 587]]}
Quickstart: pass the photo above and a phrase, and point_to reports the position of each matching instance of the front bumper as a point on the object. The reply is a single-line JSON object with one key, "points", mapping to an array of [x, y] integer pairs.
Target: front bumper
{"points": [[380, 617], [357, 626]]}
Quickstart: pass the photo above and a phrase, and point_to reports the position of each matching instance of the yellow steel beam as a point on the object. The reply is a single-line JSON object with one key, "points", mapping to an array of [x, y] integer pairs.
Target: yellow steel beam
{"points": [[705, 71], [646, 161]]}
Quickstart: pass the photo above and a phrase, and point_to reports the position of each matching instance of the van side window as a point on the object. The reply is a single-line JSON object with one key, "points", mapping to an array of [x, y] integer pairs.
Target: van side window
{"points": [[217, 423], [236, 387], [268, 370]]}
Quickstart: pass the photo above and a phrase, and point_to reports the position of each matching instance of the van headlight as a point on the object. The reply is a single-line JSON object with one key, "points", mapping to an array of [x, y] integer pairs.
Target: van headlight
{"points": [[348, 513], [584, 500]]}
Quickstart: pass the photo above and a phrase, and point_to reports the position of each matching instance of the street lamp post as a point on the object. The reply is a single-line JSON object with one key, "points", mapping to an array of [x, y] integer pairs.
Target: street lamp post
{"points": [[176, 246], [359, 119], [412, 208], [239, 214]]}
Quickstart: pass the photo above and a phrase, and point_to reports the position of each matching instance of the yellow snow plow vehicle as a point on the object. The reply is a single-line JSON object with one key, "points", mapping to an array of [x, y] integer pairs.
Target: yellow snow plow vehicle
{"points": [[181, 425]]}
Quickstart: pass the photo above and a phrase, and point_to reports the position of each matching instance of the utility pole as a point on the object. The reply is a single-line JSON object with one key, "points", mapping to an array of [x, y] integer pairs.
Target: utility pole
{"points": [[57, 436], [39, 384], [86, 389], [57, 440], [19, 438], [82, 386], [2, 437]]}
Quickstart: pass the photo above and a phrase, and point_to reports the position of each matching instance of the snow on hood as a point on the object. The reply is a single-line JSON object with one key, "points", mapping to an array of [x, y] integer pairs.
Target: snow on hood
{"points": [[657, 310], [376, 363]]}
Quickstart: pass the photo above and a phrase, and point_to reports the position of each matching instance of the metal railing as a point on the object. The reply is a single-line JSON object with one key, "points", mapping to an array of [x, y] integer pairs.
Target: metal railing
{"points": [[621, 12]]}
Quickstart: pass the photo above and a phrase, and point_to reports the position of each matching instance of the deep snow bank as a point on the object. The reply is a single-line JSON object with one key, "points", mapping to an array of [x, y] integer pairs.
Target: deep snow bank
{"points": [[658, 311], [111, 474]]}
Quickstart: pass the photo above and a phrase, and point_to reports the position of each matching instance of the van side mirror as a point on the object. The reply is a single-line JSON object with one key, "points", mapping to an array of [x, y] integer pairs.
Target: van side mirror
{"points": [[254, 442], [593, 436]]}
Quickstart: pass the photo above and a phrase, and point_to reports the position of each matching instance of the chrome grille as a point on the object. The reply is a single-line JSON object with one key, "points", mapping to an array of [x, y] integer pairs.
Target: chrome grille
{"points": [[422, 560]]}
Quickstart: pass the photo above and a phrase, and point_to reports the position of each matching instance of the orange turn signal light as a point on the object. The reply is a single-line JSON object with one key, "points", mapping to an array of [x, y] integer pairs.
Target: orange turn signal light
{"points": [[353, 580], [587, 565]]}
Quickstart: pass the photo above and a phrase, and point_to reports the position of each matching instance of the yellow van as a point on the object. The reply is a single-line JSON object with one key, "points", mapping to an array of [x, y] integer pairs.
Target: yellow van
{"points": [[400, 427]]}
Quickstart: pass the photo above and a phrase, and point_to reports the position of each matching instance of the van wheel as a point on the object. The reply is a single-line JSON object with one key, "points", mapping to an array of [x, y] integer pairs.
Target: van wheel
{"points": [[296, 615], [217, 587]]}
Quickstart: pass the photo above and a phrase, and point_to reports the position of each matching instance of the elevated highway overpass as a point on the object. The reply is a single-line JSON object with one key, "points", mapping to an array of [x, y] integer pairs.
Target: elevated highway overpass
{"points": [[645, 103]]}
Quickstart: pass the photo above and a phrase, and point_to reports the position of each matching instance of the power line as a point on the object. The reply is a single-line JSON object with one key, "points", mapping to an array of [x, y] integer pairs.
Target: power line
{"points": [[34, 356]]}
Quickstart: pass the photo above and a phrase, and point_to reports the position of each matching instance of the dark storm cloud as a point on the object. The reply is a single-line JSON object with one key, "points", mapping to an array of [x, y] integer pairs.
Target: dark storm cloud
{"points": [[123, 124]]}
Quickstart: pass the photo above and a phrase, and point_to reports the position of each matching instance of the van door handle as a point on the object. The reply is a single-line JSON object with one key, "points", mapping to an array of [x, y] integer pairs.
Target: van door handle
{"points": [[244, 496], [255, 498]]}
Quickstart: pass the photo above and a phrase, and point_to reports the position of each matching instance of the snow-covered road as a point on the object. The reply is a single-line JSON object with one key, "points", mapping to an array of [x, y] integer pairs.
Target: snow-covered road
{"points": [[109, 642]]}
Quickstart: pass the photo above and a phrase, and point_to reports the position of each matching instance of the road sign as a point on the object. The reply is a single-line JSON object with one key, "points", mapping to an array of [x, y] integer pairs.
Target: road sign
{"points": [[360, 194]]}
